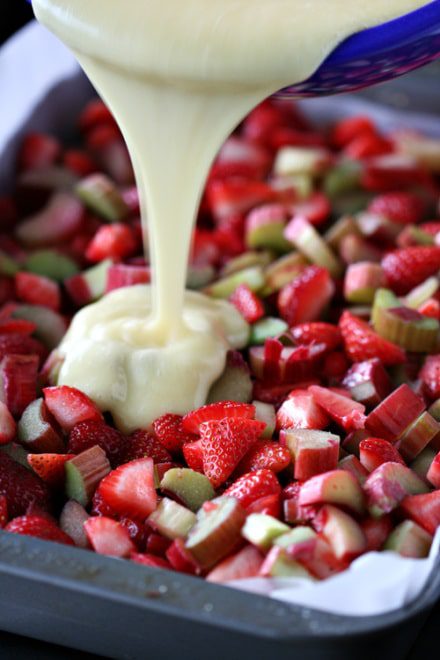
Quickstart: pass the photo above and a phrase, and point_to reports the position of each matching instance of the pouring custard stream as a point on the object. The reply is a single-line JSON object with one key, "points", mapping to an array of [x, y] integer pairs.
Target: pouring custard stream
{"points": [[178, 76]]}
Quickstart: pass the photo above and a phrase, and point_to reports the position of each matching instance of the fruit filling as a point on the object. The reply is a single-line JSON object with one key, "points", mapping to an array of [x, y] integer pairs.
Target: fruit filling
{"points": [[319, 439]]}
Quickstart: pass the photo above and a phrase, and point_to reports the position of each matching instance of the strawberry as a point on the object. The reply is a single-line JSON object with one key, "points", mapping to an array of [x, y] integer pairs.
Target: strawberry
{"points": [[300, 411], [120, 275], [402, 207], [248, 303], [20, 344], [216, 411], [115, 241], [345, 412], [180, 558], [171, 432], [315, 209], [193, 455], [139, 532], [18, 375], [229, 196], [317, 332], [304, 298], [406, 268], [101, 508], [79, 162], [424, 510], [7, 425], [4, 517], [270, 505], [150, 560], [265, 455], [109, 537], [335, 365], [224, 443], [362, 343], [38, 151], [430, 376], [96, 432], [143, 444], [41, 527], [375, 451], [95, 114], [37, 290], [69, 406], [349, 128], [129, 490], [367, 145], [157, 544], [253, 486], [50, 467]]}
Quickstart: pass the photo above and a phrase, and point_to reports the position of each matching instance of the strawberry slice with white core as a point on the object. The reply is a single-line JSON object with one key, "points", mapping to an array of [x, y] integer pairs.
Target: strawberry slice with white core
{"points": [[69, 406], [216, 411], [108, 537], [129, 490]]}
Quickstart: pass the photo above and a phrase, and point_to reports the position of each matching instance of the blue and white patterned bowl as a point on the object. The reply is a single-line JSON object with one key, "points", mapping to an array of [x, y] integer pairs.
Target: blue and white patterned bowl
{"points": [[377, 54]]}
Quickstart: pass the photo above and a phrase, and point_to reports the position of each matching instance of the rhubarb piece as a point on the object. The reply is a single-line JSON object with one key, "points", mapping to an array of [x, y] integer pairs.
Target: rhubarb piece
{"points": [[317, 556], [393, 416], [282, 271], [421, 293], [84, 472], [108, 537], [235, 383], [18, 376], [58, 221], [16, 452], [51, 264], [423, 462], [406, 328], [216, 532], [129, 490], [180, 559], [343, 178], [354, 248], [37, 290], [150, 560], [337, 487], [342, 532], [187, 486], [345, 412], [21, 487], [376, 531], [245, 564], [261, 530], [311, 244], [265, 228], [418, 435], [41, 527], [430, 376], [388, 485], [72, 519], [278, 564], [265, 412], [406, 268], [367, 382], [305, 298], [69, 406], [37, 151], [377, 228], [121, 275], [300, 411], [88, 286], [353, 440], [423, 509], [362, 343], [172, 520], [345, 226], [267, 327], [224, 288], [253, 486], [37, 431], [361, 281], [433, 474], [50, 467], [301, 160], [99, 194], [313, 452], [199, 276], [50, 326], [353, 465], [375, 451], [7, 425], [246, 260], [409, 540]]}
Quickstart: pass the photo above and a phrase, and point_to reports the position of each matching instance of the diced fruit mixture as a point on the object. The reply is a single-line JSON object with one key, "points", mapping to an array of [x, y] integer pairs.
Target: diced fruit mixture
{"points": [[321, 440]]}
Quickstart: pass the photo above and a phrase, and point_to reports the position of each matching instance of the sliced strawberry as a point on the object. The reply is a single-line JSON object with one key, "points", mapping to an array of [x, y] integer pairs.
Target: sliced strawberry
{"points": [[315, 209], [216, 411], [228, 196], [430, 376], [345, 412], [253, 486], [375, 451], [50, 467], [38, 290], [301, 411], [366, 146], [69, 406], [139, 532], [101, 508], [150, 560], [224, 443], [270, 505], [96, 113], [193, 455], [143, 444], [109, 537], [79, 162], [248, 303], [18, 375], [349, 128], [317, 332], [116, 241], [38, 151], [171, 432], [403, 207], [424, 510], [265, 455], [303, 299], [8, 426], [362, 343], [41, 527], [120, 275], [406, 268], [91, 432], [4, 516], [129, 490]]}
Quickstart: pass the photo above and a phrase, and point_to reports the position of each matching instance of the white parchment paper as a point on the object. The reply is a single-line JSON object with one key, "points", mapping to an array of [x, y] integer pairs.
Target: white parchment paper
{"points": [[42, 89]]}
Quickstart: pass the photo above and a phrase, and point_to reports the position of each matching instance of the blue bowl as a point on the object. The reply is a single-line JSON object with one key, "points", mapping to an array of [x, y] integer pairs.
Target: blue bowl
{"points": [[375, 55]]}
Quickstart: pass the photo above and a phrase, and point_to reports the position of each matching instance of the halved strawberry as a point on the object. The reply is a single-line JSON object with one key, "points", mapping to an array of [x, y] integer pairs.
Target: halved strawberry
{"points": [[50, 467], [109, 537], [248, 303], [375, 451], [39, 526], [69, 406], [254, 486], [144, 444], [216, 411], [317, 332], [171, 432], [345, 412], [224, 443], [303, 299], [265, 455], [406, 268], [403, 207], [301, 411], [37, 151], [193, 455], [129, 490], [116, 241], [91, 432], [362, 343], [37, 290]]}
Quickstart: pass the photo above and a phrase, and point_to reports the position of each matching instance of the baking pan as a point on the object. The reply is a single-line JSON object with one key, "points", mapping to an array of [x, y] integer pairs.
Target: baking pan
{"points": [[119, 609]]}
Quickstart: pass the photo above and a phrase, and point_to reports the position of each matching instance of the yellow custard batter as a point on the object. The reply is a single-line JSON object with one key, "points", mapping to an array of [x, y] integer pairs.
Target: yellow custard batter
{"points": [[179, 75]]}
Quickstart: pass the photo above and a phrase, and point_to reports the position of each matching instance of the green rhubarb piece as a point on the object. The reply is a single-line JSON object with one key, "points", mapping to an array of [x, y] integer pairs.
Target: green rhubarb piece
{"points": [[422, 462], [409, 540], [350, 203], [269, 236], [8, 266], [172, 520], [235, 383], [84, 473], [96, 278], [36, 430], [422, 293], [265, 412], [388, 485], [50, 326], [434, 409], [199, 276], [343, 178], [418, 435], [339, 229], [189, 487], [225, 287], [418, 236], [261, 530], [247, 260], [282, 271], [270, 326], [101, 196], [311, 244], [17, 453], [52, 264], [383, 299], [291, 161], [296, 535], [279, 564]]}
